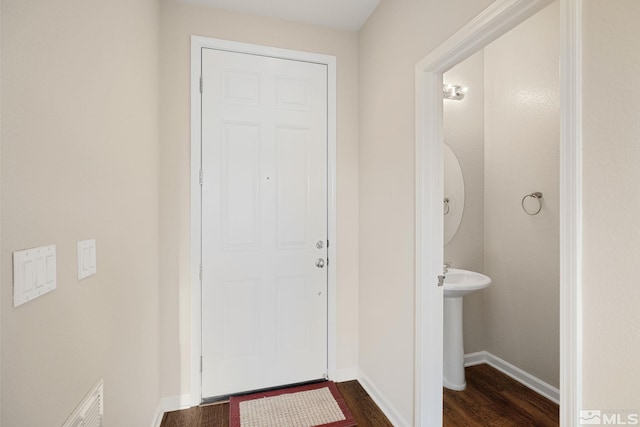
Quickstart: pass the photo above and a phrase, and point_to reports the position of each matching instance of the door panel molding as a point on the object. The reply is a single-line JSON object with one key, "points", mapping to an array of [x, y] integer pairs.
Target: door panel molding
{"points": [[197, 44]]}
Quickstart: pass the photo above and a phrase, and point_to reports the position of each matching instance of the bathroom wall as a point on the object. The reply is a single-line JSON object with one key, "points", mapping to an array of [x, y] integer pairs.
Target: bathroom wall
{"points": [[521, 252], [464, 133], [80, 161], [611, 291], [180, 20]]}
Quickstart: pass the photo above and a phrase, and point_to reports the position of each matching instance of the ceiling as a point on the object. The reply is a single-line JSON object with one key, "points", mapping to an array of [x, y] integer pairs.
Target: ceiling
{"points": [[344, 14]]}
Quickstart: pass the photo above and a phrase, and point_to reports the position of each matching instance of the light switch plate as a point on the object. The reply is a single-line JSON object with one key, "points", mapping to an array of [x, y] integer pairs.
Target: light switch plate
{"points": [[86, 258], [34, 273]]}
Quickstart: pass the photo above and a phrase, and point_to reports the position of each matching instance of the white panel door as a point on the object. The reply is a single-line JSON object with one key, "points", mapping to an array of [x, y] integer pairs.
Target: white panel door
{"points": [[264, 222]]}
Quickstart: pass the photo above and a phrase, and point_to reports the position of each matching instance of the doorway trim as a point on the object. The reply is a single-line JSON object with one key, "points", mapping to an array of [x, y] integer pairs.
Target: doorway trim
{"points": [[197, 44], [493, 22]]}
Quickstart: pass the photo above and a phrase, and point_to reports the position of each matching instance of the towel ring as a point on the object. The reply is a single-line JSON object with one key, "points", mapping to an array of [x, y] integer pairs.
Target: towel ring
{"points": [[446, 205], [537, 195]]}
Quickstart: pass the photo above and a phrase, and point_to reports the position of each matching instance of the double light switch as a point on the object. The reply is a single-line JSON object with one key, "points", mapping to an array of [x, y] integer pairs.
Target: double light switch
{"points": [[86, 258], [34, 273]]}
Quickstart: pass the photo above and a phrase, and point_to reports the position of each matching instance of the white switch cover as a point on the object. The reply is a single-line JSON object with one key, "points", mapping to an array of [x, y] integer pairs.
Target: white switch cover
{"points": [[86, 258], [34, 273]]}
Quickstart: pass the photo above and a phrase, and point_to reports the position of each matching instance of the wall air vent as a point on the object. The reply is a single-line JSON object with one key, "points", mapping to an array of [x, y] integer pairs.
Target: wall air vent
{"points": [[90, 411]]}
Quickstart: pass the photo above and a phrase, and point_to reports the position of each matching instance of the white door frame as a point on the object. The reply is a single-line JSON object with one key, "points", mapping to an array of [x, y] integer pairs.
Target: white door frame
{"points": [[496, 20], [197, 43]]}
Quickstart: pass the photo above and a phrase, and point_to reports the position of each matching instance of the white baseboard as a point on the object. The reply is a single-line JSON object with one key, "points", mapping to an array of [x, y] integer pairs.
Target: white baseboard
{"points": [[347, 374], [169, 404], [473, 359], [525, 378], [175, 403], [157, 417], [380, 399]]}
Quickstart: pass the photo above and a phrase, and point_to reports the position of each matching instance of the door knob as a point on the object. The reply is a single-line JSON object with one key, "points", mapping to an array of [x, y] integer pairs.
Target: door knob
{"points": [[320, 263]]}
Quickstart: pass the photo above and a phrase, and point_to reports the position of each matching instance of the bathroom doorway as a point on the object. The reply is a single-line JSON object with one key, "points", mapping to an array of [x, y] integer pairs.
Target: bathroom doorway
{"points": [[501, 116], [495, 21]]}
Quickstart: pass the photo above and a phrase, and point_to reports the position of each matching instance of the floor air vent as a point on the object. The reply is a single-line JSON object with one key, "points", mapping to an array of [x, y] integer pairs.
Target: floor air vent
{"points": [[90, 411]]}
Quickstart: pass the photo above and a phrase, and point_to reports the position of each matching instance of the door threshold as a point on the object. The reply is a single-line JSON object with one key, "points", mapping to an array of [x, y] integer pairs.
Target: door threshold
{"points": [[225, 398]]}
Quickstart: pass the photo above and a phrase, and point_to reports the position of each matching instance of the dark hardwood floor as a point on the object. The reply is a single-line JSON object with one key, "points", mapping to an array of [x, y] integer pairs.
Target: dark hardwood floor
{"points": [[364, 410], [494, 399], [490, 399]]}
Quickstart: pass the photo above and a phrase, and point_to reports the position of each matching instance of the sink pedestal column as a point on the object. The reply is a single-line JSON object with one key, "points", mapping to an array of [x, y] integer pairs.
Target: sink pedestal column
{"points": [[453, 375]]}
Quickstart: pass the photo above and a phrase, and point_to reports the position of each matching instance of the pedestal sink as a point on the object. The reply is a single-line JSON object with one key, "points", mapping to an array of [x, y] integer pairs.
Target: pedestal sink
{"points": [[457, 283]]}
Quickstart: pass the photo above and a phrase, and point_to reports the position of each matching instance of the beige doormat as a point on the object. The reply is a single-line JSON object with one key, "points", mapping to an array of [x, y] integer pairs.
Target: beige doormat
{"points": [[311, 405]]}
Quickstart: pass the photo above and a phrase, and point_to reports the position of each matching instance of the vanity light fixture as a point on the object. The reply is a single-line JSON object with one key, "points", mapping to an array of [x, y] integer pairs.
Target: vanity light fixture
{"points": [[453, 92]]}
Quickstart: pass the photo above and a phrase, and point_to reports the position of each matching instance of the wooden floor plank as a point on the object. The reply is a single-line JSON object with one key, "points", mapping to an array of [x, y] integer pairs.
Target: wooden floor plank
{"points": [[363, 408], [491, 399], [201, 416], [494, 399]]}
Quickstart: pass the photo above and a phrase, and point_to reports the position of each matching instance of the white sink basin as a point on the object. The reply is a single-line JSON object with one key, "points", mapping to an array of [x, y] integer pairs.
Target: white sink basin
{"points": [[458, 282]]}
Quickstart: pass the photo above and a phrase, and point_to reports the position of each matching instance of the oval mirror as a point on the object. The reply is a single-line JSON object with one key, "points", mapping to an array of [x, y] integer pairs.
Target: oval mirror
{"points": [[453, 205]]}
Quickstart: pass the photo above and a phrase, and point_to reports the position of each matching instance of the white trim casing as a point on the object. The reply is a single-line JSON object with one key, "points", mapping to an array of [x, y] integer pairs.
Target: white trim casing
{"points": [[197, 44], [176, 403], [570, 211], [196, 222], [429, 257], [345, 374], [157, 416], [170, 404], [496, 20]]}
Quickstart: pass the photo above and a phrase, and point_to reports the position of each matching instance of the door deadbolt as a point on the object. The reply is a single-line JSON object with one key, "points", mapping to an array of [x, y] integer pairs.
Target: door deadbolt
{"points": [[319, 244]]}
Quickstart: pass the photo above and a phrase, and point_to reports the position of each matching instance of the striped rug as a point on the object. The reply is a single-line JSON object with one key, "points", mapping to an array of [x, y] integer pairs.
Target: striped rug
{"points": [[310, 405]]}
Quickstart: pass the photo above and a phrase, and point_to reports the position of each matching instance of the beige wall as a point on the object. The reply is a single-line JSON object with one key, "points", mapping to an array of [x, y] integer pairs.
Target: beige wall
{"points": [[178, 22], [522, 139], [464, 133], [0, 208], [396, 37], [611, 289], [80, 160]]}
